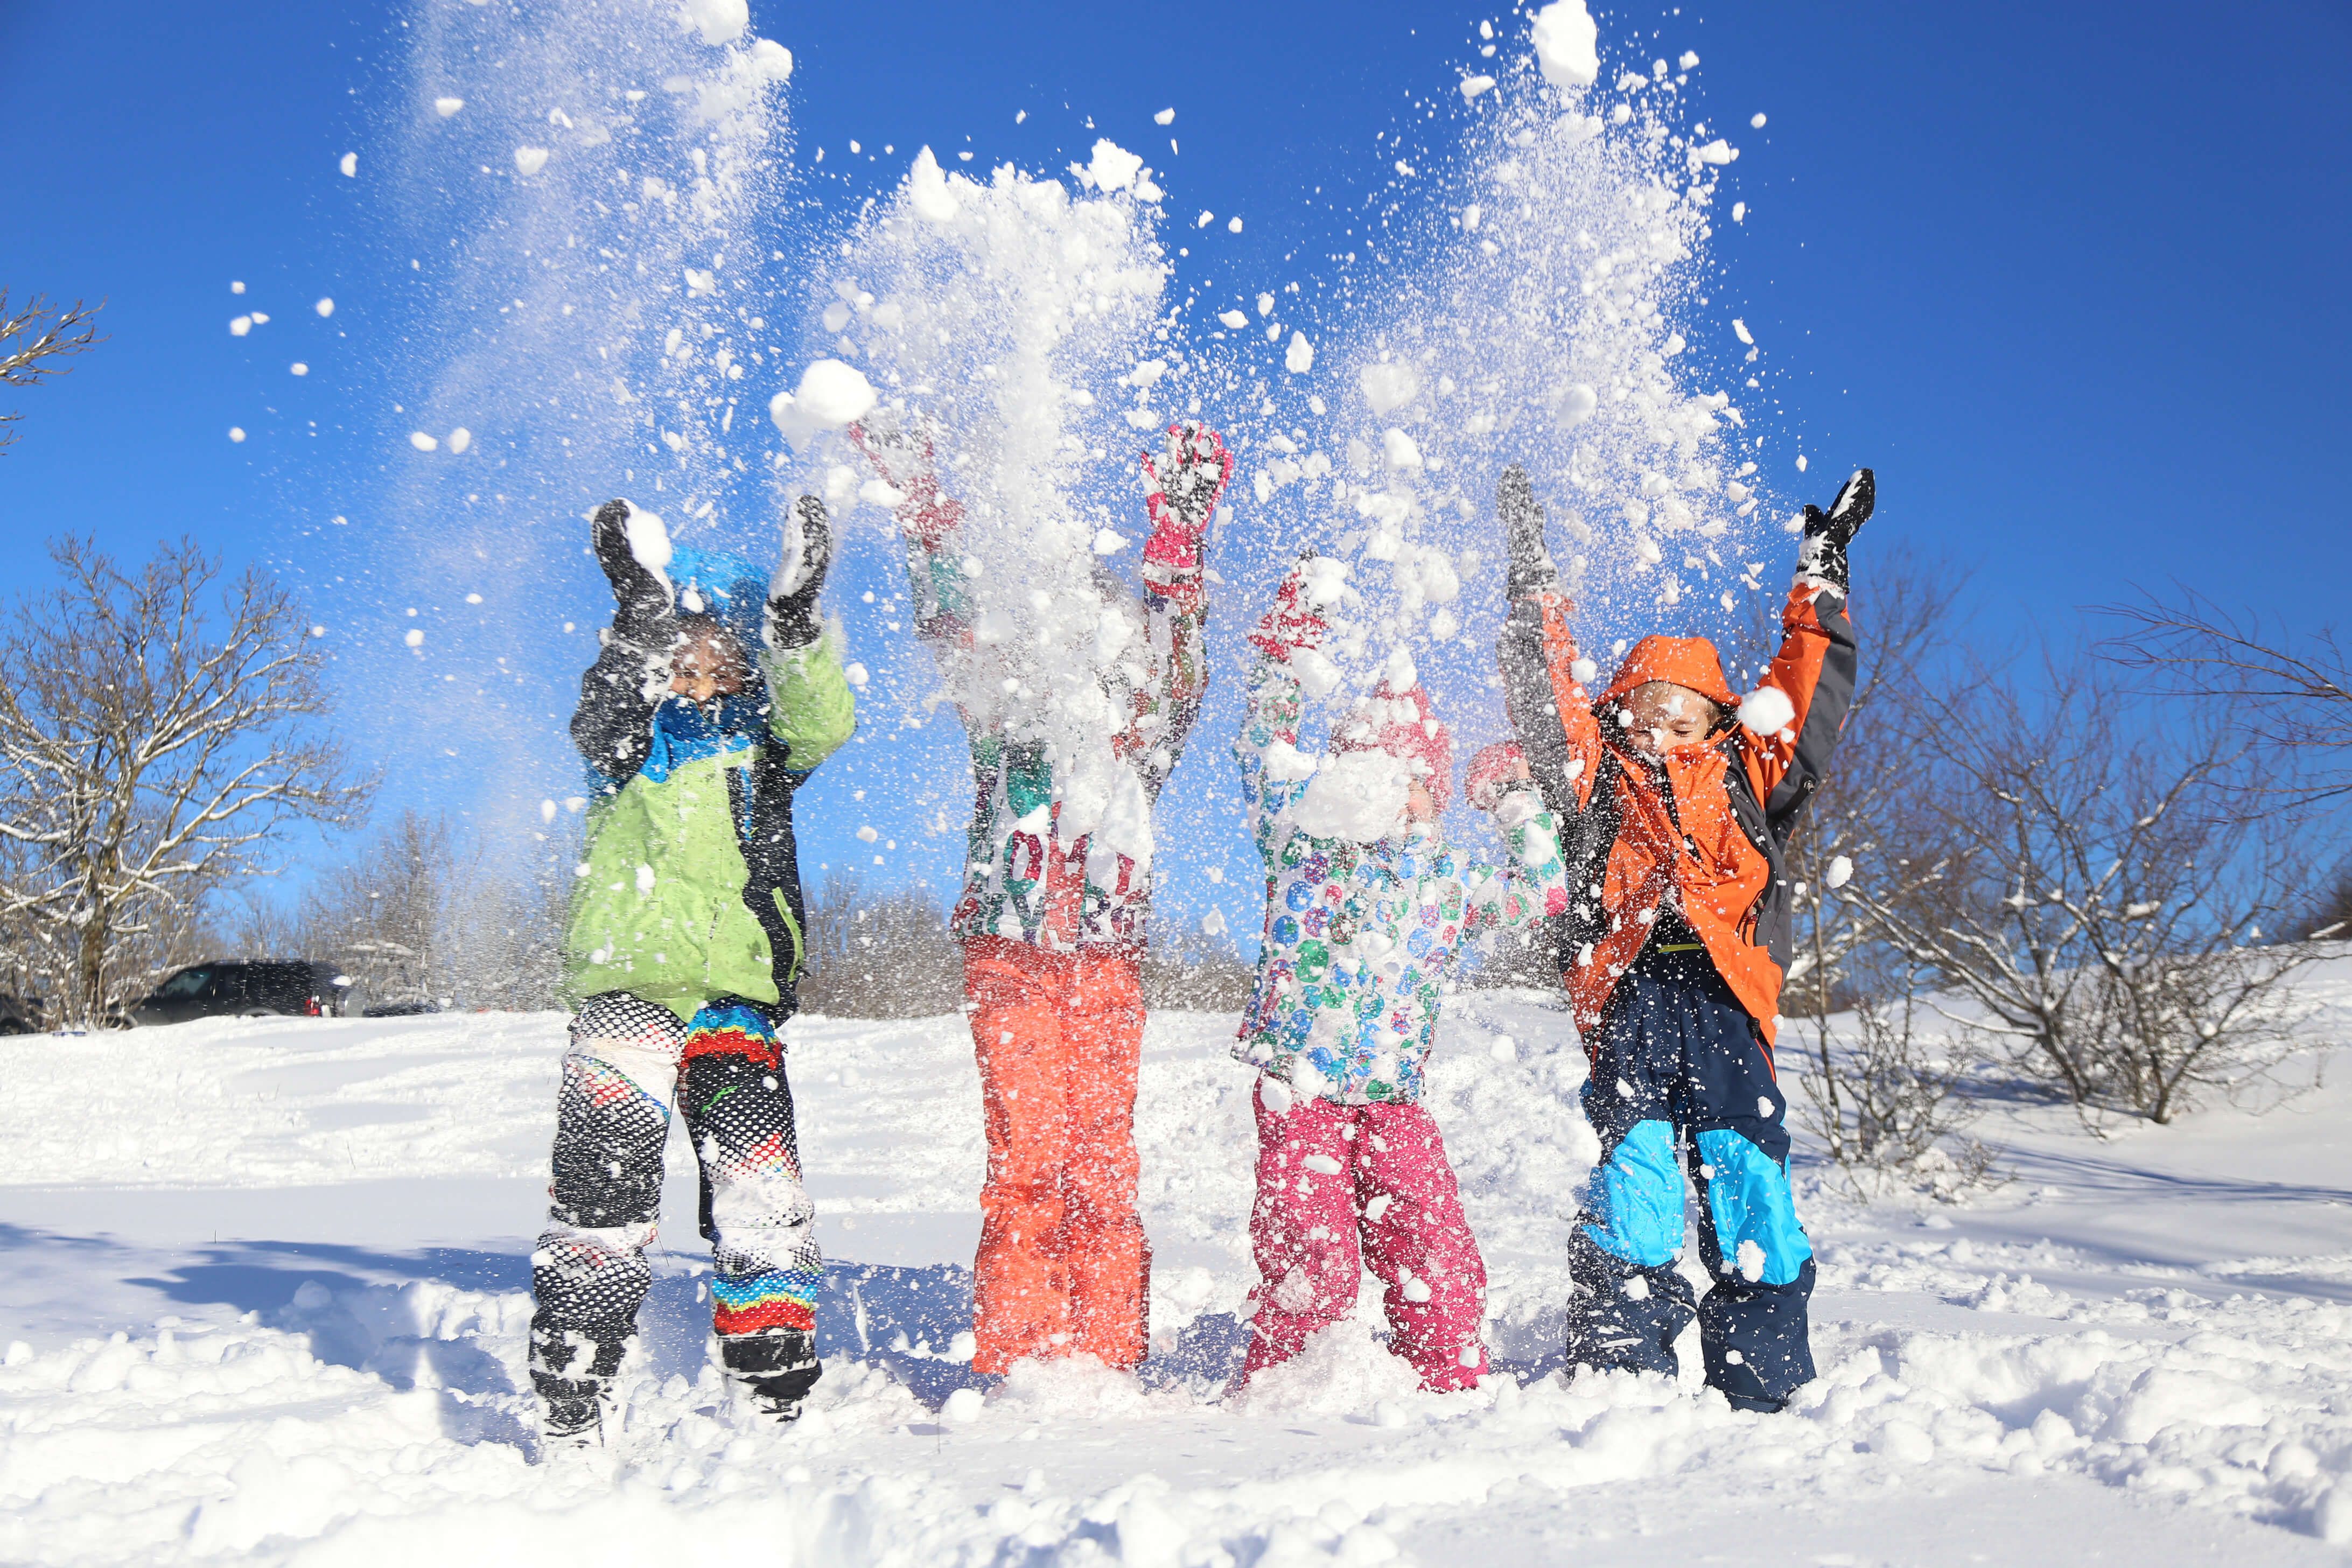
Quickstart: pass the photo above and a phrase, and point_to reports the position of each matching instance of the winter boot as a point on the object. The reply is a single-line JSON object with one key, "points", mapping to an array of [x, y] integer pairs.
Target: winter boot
{"points": [[779, 1366], [574, 1413]]}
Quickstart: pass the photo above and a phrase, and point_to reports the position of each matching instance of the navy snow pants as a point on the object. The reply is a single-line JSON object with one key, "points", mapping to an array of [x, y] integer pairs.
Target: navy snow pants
{"points": [[1680, 1074]]}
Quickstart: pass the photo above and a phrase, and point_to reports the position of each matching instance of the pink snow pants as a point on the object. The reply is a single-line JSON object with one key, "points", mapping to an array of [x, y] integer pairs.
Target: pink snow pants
{"points": [[1341, 1188]]}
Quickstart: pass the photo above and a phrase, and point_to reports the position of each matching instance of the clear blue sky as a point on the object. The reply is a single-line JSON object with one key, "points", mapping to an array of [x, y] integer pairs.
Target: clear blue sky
{"points": [[2073, 278]]}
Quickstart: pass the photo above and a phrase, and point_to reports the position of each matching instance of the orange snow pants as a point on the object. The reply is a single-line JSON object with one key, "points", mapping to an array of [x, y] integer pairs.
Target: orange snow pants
{"points": [[1064, 1268]]}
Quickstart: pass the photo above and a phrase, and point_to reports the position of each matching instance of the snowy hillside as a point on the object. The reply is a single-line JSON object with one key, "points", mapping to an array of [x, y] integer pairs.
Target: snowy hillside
{"points": [[266, 1289]]}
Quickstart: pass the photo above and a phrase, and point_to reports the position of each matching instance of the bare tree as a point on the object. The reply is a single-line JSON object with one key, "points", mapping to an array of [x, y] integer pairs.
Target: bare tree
{"points": [[1888, 1104], [2096, 896], [2297, 704], [158, 736], [32, 342]]}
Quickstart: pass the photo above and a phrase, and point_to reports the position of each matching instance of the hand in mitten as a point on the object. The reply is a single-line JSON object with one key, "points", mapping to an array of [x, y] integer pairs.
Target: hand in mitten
{"points": [[800, 576], [633, 548], [1296, 621], [1821, 557], [1181, 487], [901, 455], [1522, 517], [1496, 773]]}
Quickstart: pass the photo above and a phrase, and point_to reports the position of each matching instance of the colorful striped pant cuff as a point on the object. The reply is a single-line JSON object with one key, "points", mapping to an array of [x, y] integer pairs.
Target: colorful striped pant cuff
{"points": [[778, 1298]]}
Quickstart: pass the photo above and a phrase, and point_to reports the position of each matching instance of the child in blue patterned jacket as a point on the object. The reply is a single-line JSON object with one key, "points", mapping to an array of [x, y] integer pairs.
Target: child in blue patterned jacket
{"points": [[1368, 912]]}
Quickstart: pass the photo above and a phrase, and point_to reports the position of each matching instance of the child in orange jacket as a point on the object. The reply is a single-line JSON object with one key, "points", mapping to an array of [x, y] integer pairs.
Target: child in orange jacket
{"points": [[1677, 800]]}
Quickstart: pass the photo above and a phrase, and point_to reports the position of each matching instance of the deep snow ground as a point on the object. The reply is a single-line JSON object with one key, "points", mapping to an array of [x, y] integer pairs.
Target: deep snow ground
{"points": [[264, 1287]]}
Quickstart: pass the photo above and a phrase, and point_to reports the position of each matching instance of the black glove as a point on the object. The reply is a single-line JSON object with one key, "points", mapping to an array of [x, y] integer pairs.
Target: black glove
{"points": [[640, 600], [1827, 534], [800, 576], [1522, 517]]}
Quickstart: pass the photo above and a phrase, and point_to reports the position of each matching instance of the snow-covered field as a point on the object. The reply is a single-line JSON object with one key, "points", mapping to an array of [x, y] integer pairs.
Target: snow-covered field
{"points": [[266, 1284]]}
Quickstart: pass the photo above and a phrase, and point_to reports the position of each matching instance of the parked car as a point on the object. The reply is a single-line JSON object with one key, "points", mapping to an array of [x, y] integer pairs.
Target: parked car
{"points": [[21, 1015], [243, 990]]}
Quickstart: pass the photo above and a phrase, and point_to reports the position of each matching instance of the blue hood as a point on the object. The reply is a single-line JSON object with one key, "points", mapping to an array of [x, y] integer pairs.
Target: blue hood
{"points": [[733, 592]]}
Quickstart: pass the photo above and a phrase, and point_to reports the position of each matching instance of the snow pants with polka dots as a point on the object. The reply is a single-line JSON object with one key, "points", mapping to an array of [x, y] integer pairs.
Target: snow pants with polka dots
{"points": [[1343, 1188], [630, 1062], [1062, 1268], [1681, 1077]]}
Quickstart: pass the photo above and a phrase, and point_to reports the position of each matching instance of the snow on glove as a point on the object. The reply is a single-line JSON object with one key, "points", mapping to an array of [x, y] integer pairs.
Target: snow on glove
{"points": [[1181, 487], [1522, 517], [1296, 624], [800, 576], [1496, 771], [1821, 559], [633, 547], [902, 456]]}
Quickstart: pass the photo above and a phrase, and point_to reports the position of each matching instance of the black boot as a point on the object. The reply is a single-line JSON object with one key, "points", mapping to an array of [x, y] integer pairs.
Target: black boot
{"points": [[779, 1366], [574, 1415]]}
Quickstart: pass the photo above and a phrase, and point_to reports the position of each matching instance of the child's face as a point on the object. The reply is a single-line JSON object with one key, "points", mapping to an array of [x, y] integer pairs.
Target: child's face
{"points": [[1661, 717], [1420, 805], [707, 667]]}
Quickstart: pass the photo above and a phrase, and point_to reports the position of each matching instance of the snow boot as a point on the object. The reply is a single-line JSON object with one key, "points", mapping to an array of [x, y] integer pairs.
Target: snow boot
{"points": [[778, 1366], [574, 1415]]}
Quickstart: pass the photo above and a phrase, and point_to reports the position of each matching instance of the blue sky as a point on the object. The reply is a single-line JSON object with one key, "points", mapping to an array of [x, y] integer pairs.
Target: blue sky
{"points": [[2071, 279]]}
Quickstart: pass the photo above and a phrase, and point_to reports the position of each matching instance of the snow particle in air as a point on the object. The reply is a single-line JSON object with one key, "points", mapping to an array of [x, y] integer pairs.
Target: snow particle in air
{"points": [[299, 368], [324, 307], [237, 432], [422, 442], [415, 637], [350, 166]]}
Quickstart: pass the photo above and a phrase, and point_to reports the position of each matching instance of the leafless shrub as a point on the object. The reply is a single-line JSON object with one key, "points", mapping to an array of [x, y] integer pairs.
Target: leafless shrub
{"points": [[1195, 973], [158, 735], [2089, 888], [33, 341], [1888, 1105]]}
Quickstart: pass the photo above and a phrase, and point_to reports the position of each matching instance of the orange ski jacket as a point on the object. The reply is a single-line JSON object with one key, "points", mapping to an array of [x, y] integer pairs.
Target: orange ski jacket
{"points": [[1703, 831]]}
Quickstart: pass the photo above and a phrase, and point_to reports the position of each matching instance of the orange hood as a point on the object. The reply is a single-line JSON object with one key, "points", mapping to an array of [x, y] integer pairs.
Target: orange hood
{"points": [[1685, 661]]}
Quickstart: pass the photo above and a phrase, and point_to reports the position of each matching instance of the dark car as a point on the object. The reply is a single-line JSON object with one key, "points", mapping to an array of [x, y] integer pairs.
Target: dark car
{"points": [[21, 1015], [243, 990]]}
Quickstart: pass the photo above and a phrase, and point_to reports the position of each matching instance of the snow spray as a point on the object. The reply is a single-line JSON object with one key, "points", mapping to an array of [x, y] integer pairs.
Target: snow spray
{"points": [[585, 187]]}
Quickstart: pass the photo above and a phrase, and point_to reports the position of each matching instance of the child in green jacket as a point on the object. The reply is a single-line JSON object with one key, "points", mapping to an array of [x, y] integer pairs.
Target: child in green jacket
{"points": [[714, 697]]}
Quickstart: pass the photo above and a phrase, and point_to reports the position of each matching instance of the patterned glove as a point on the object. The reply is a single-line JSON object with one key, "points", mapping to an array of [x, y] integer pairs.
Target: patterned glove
{"points": [[1522, 517], [1821, 559], [632, 547], [1181, 487], [902, 456], [800, 576], [1296, 622]]}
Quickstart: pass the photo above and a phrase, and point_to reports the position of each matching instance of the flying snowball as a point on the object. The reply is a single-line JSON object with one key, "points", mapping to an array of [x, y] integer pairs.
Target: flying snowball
{"points": [[1840, 873], [1388, 386], [240, 325], [415, 637], [446, 106], [1165, 117], [1234, 318], [324, 307], [1114, 168], [350, 166], [719, 21], [1567, 44], [1233, 226], [1299, 357], [237, 432], [530, 160], [1766, 710], [299, 368], [460, 439], [831, 396], [422, 442]]}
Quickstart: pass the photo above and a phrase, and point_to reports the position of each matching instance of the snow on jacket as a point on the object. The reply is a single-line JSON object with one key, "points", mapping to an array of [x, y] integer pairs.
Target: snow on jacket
{"points": [[1362, 938], [1020, 881], [690, 887], [1704, 831]]}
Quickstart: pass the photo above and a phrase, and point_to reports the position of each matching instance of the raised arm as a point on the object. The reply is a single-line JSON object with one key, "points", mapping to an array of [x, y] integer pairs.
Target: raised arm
{"points": [[1288, 641], [810, 708], [612, 726], [901, 453], [1181, 485], [1532, 881], [1543, 677], [1816, 666]]}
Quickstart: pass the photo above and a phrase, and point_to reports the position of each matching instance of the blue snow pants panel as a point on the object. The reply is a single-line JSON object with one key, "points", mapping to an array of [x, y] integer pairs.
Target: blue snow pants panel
{"points": [[1676, 1054], [1634, 1209], [1748, 1200]]}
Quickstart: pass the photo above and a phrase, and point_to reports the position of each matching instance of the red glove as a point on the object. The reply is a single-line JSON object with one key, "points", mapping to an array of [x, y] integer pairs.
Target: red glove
{"points": [[1495, 769], [1181, 487], [901, 455], [1294, 623]]}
